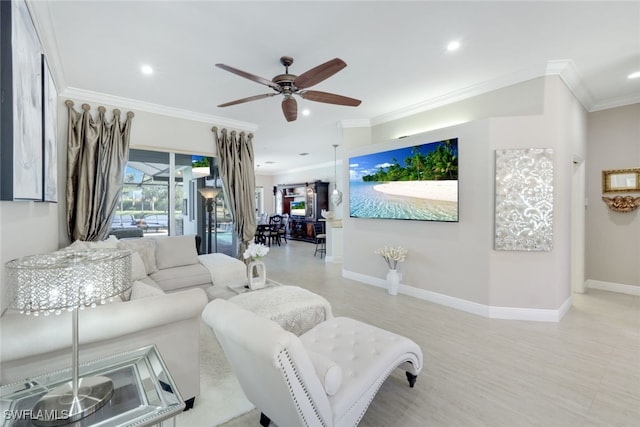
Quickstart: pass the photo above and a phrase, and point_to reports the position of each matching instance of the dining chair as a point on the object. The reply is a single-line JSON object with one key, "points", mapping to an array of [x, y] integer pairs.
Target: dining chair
{"points": [[320, 239]]}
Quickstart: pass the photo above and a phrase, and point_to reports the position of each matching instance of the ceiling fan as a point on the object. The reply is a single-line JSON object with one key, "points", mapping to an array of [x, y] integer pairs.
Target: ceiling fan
{"points": [[290, 84]]}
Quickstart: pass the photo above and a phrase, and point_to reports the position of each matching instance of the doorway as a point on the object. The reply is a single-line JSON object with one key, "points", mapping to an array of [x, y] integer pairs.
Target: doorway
{"points": [[578, 206]]}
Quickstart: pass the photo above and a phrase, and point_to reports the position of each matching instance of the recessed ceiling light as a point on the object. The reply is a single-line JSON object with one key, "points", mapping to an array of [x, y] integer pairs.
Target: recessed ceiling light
{"points": [[454, 45], [146, 69], [305, 112], [634, 75]]}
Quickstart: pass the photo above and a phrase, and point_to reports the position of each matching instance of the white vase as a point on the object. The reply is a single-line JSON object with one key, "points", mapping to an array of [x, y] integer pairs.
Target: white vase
{"points": [[393, 282], [256, 275]]}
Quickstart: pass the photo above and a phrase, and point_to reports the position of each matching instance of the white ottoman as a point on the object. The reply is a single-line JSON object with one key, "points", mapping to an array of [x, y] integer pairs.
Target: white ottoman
{"points": [[295, 309]]}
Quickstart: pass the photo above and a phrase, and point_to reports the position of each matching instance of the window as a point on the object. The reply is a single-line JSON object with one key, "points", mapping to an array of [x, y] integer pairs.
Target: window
{"points": [[160, 197]]}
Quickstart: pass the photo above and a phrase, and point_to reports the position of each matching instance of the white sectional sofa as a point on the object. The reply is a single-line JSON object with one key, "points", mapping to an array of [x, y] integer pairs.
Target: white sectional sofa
{"points": [[172, 264], [32, 345], [163, 308]]}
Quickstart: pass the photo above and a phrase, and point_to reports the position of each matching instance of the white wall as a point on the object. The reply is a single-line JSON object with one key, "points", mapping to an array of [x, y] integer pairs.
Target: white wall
{"points": [[613, 238], [266, 182], [159, 132], [457, 260], [541, 280], [518, 100], [437, 250], [26, 228]]}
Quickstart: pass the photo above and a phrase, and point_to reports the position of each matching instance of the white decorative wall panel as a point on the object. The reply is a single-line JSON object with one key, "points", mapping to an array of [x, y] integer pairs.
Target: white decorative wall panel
{"points": [[524, 200]]}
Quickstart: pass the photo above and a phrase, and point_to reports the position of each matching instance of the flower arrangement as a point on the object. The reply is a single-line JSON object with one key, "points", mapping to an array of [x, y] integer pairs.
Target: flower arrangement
{"points": [[392, 255], [255, 251]]}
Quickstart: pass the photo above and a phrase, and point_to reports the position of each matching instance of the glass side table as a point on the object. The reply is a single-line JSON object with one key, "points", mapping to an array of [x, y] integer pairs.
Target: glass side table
{"points": [[144, 392]]}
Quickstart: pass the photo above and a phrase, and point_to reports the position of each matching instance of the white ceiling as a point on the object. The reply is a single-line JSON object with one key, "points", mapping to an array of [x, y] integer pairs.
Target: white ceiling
{"points": [[395, 51]]}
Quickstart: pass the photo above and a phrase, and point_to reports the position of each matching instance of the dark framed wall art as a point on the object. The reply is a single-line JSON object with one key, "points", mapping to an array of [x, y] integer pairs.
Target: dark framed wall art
{"points": [[49, 128], [22, 166]]}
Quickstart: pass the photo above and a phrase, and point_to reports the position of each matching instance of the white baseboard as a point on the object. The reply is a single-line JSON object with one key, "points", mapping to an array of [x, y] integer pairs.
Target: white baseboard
{"points": [[613, 287], [507, 313]]}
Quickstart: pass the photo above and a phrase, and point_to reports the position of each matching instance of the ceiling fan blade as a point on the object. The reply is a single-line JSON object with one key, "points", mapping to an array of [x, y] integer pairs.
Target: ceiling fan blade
{"points": [[290, 108], [251, 98], [250, 76], [329, 98], [319, 73]]}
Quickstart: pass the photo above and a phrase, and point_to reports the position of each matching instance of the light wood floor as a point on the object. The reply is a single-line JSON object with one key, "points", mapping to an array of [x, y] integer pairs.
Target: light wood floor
{"points": [[582, 371]]}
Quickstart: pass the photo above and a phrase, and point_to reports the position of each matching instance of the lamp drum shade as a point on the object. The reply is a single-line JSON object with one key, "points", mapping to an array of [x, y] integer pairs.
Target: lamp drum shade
{"points": [[67, 280]]}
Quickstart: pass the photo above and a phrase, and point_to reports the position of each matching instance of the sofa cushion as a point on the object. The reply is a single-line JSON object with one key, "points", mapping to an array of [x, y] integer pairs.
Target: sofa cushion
{"points": [[143, 290], [223, 269], [138, 270], [77, 245], [111, 243], [328, 371], [176, 251], [146, 248], [185, 276]]}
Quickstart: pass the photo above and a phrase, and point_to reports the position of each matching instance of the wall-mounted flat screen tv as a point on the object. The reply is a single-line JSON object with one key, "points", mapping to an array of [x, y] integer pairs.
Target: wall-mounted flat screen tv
{"points": [[297, 208], [419, 182]]}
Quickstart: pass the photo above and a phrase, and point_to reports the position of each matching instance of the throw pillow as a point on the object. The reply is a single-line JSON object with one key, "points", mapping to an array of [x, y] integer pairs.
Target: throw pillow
{"points": [[145, 247], [176, 251], [138, 271], [328, 371], [143, 290], [78, 245], [111, 243]]}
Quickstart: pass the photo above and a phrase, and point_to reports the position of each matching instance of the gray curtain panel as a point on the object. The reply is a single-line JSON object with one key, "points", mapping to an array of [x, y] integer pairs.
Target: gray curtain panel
{"points": [[235, 159], [97, 154]]}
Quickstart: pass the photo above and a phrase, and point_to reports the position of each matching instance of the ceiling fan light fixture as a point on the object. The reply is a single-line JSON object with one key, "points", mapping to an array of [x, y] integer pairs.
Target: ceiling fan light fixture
{"points": [[290, 84], [290, 108]]}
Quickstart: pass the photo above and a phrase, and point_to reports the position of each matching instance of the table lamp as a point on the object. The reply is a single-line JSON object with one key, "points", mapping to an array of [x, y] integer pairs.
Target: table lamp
{"points": [[69, 280], [210, 194]]}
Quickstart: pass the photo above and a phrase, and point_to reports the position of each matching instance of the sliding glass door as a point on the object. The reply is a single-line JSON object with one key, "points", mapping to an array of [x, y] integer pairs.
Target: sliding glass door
{"points": [[160, 197]]}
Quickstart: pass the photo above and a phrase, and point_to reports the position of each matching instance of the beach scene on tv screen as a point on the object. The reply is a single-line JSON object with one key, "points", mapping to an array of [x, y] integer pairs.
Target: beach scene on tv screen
{"points": [[419, 182]]}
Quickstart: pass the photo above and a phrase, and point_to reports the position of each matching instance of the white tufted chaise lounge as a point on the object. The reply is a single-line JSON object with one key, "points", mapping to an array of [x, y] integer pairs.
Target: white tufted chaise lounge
{"points": [[326, 377]]}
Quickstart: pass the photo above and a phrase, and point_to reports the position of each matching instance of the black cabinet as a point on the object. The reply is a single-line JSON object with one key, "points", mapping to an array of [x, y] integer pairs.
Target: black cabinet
{"points": [[303, 203]]}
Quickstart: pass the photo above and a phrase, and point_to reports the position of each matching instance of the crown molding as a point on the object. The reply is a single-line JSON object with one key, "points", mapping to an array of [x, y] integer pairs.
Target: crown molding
{"points": [[569, 74], [462, 94], [563, 68], [133, 104], [621, 101], [567, 71]]}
